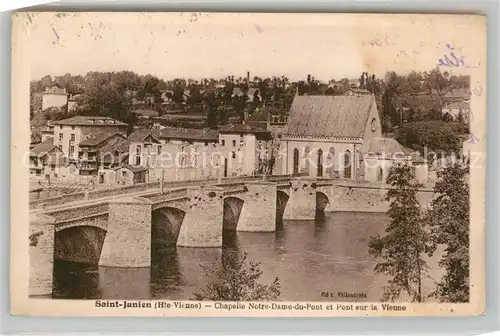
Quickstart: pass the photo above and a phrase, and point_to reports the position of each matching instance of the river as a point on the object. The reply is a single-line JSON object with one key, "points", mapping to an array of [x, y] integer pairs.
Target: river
{"points": [[328, 255]]}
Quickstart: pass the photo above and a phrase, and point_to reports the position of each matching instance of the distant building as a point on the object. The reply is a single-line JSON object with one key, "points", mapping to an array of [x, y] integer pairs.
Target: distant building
{"points": [[102, 150], [45, 160], [54, 97], [242, 147], [129, 175], [327, 135], [383, 153], [73, 102], [144, 148], [188, 153], [356, 92], [68, 133], [277, 123], [185, 136], [457, 95], [457, 109]]}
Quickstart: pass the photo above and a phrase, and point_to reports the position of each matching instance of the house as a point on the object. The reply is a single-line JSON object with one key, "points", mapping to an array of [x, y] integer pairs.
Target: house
{"points": [[384, 153], [45, 159], [68, 133], [189, 153], [47, 132], [457, 95], [54, 97], [355, 92], [101, 151], [327, 135], [457, 110], [184, 136], [129, 175], [144, 148], [73, 102], [243, 148]]}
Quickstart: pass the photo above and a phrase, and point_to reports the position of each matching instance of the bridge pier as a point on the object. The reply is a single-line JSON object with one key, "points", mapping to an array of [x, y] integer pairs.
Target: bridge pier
{"points": [[259, 210], [128, 240], [202, 226], [302, 202], [41, 252]]}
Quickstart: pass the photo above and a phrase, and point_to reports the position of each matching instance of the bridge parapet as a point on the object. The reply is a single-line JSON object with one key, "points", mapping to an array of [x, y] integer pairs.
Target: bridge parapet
{"points": [[80, 211]]}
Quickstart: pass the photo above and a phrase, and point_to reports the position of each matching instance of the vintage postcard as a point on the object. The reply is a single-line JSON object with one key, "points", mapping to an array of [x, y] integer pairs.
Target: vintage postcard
{"points": [[239, 164]]}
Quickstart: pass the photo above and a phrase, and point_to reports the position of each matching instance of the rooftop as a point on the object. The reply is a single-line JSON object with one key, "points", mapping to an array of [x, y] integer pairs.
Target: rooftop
{"points": [[134, 169], [460, 105], [260, 131], [141, 135], [55, 90], [97, 138], [329, 116], [189, 134], [43, 147], [385, 146], [459, 93], [90, 121]]}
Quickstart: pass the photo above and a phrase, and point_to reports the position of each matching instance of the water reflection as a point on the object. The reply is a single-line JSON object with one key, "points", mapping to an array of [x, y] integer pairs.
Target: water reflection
{"points": [[329, 254]]}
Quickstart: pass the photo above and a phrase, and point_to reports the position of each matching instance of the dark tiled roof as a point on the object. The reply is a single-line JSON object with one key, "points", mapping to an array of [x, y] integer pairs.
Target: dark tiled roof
{"points": [[146, 112], [44, 147], [133, 169], [97, 138], [90, 121], [55, 90], [329, 116], [458, 93], [189, 134], [260, 131], [140, 135], [463, 105]]}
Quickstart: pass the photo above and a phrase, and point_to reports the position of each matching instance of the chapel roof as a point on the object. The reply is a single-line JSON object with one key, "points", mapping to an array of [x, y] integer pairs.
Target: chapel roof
{"points": [[329, 116]]}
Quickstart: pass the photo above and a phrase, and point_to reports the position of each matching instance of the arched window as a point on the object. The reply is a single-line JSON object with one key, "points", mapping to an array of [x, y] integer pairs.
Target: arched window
{"points": [[295, 161], [347, 164], [306, 157], [320, 162], [380, 175]]}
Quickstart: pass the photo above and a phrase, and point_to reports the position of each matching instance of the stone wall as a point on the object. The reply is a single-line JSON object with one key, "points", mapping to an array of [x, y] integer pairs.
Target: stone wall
{"points": [[259, 209], [128, 241], [206, 204], [302, 202], [367, 198], [41, 252]]}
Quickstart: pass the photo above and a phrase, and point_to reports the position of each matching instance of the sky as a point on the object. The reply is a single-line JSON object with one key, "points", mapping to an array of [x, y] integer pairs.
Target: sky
{"points": [[190, 45]]}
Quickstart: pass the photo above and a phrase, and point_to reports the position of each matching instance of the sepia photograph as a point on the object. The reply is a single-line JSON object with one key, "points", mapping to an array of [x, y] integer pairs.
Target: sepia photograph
{"points": [[211, 163]]}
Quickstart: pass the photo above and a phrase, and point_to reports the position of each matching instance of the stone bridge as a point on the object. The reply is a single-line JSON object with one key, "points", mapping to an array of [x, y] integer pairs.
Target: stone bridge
{"points": [[123, 231]]}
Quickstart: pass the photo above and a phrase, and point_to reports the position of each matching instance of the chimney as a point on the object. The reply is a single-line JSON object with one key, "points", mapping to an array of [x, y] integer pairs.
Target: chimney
{"points": [[248, 76]]}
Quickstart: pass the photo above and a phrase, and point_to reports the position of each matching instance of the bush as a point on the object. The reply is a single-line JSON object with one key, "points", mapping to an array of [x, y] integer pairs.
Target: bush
{"points": [[236, 279]]}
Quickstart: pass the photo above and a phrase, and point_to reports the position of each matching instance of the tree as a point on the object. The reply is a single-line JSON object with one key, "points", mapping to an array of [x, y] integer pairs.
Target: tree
{"points": [[449, 219], [104, 96], [414, 84], [236, 279], [210, 102], [178, 90], [433, 134], [436, 81], [399, 252]]}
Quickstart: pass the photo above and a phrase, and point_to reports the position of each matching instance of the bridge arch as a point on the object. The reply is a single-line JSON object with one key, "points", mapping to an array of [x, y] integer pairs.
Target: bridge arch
{"points": [[79, 243], [231, 214], [166, 224], [322, 202]]}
